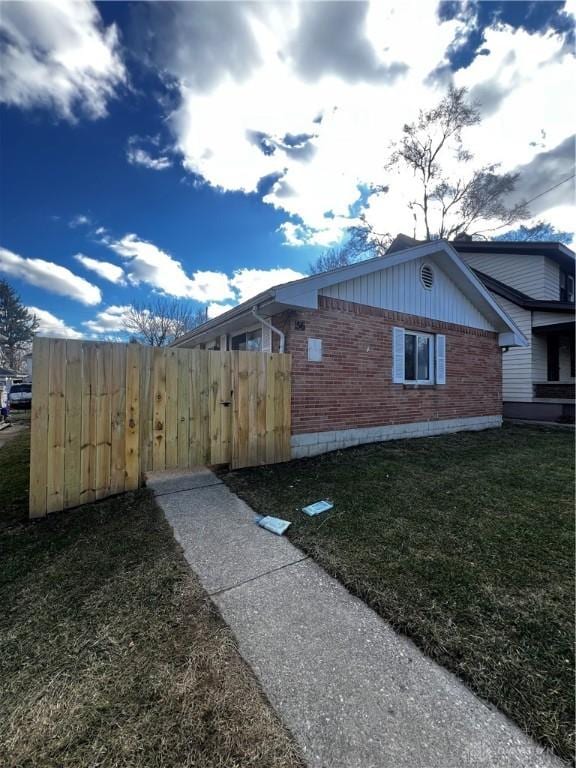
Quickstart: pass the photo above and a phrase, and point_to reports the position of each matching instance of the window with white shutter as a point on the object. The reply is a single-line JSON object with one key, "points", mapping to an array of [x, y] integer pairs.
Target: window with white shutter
{"points": [[418, 358]]}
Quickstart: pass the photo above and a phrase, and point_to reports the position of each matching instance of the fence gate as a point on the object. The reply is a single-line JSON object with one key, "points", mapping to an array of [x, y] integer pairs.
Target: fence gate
{"points": [[104, 414]]}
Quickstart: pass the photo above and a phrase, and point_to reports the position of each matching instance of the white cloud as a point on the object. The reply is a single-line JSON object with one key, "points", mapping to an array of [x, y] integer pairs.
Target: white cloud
{"points": [[215, 310], [79, 221], [146, 263], [111, 272], [139, 156], [281, 79], [250, 282], [109, 320], [58, 54], [50, 325], [49, 276]]}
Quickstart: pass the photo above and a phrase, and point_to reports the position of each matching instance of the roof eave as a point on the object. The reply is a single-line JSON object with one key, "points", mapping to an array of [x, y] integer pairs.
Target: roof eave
{"points": [[232, 314]]}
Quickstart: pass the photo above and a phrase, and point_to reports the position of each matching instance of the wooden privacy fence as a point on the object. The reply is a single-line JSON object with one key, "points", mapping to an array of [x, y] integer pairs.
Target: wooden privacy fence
{"points": [[104, 414]]}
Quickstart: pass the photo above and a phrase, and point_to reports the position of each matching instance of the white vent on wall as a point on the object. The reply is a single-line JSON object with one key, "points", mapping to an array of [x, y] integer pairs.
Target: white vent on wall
{"points": [[427, 276]]}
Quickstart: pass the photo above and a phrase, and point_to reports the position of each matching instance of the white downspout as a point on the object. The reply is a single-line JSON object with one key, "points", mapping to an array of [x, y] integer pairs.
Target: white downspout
{"points": [[272, 328]]}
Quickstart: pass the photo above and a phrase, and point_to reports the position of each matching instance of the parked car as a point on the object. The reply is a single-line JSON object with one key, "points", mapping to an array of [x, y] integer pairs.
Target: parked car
{"points": [[20, 396]]}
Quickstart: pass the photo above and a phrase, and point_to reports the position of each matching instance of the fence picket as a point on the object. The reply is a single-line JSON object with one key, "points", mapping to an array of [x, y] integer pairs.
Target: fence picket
{"points": [[159, 394], [56, 426], [171, 421], [103, 420], [73, 424], [39, 428], [132, 443], [183, 409], [88, 439], [118, 417]]}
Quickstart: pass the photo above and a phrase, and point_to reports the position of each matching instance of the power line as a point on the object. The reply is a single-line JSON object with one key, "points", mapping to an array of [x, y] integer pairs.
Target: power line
{"points": [[550, 189]]}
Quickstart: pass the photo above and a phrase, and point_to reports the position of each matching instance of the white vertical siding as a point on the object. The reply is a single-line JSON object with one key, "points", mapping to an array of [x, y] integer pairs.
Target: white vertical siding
{"points": [[399, 288], [517, 361], [551, 285], [525, 272]]}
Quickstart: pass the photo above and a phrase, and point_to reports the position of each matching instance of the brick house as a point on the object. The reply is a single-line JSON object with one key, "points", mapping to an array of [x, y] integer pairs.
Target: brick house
{"points": [[402, 346]]}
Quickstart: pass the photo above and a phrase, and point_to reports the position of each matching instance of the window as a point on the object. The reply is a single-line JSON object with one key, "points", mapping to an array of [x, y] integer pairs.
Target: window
{"points": [[566, 286], [418, 358], [251, 341]]}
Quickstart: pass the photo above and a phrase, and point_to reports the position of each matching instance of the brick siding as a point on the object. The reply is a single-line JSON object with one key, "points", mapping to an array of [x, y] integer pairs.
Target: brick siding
{"points": [[352, 386]]}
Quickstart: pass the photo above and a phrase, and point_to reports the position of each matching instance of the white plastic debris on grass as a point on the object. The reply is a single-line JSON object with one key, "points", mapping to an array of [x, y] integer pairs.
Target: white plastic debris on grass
{"points": [[317, 508], [273, 524]]}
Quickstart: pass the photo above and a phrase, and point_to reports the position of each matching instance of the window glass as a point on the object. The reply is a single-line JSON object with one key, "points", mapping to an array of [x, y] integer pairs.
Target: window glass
{"points": [[409, 357], [417, 357], [254, 341], [251, 341], [239, 342], [423, 358], [570, 287], [566, 286]]}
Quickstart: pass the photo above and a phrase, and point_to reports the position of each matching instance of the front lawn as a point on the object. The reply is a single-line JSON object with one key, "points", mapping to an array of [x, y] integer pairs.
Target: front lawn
{"points": [[463, 542], [111, 654]]}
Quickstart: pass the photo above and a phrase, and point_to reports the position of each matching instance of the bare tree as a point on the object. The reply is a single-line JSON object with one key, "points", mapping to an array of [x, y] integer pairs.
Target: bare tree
{"points": [[161, 321], [333, 258], [364, 241], [446, 206]]}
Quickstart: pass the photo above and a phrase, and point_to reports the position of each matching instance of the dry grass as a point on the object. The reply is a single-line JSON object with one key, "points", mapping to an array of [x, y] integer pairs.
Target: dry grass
{"points": [[465, 543], [112, 655]]}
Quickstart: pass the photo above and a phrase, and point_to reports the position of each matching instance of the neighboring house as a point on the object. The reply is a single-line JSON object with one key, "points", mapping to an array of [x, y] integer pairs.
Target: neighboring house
{"points": [[401, 346], [534, 284]]}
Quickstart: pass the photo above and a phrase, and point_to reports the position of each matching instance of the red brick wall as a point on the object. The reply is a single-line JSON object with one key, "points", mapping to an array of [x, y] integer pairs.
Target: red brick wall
{"points": [[352, 386]]}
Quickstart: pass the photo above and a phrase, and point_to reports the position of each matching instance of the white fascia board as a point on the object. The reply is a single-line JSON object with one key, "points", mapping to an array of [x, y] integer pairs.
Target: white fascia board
{"points": [[494, 308], [291, 292], [304, 293]]}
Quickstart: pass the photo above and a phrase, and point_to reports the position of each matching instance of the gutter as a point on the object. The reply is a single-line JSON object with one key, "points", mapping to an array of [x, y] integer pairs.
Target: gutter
{"points": [[522, 299], [271, 327]]}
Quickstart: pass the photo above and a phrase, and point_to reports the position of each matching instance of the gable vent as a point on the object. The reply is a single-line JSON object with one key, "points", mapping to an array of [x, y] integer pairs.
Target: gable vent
{"points": [[426, 276]]}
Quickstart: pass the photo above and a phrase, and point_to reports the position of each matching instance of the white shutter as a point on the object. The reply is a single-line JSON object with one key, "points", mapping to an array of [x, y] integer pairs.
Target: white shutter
{"points": [[440, 359], [398, 355]]}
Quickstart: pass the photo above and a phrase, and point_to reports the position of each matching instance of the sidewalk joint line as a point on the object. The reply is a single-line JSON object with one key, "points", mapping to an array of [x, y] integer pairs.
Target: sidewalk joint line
{"points": [[184, 490], [259, 576]]}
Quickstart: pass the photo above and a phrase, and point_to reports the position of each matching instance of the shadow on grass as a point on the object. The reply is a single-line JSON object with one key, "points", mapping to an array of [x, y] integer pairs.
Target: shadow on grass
{"points": [[465, 543], [110, 651]]}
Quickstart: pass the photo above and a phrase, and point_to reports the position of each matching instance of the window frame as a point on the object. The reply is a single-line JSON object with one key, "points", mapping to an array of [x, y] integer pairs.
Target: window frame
{"points": [[253, 332], [431, 380], [566, 286]]}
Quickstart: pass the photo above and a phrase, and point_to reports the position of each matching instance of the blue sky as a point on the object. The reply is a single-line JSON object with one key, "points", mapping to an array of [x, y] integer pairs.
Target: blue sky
{"points": [[208, 150]]}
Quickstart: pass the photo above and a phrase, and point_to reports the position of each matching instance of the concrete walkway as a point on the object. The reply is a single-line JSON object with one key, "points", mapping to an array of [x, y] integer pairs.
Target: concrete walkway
{"points": [[353, 692]]}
